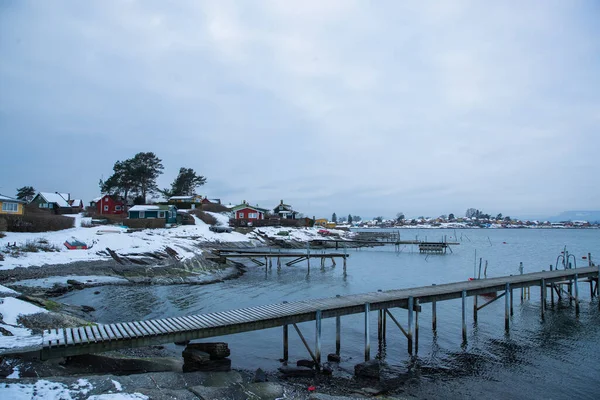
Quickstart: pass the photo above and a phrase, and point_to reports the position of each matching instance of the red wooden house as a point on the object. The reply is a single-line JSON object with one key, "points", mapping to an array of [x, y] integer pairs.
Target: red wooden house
{"points": [[108, 204], [249, 213]]}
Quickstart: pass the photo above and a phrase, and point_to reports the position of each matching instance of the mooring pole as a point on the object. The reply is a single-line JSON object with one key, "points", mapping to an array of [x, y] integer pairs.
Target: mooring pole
{"points": [[367, 341], [464, 316], [308, 255], [552, 295], [507, 307], [384, 323], [417, 327], [543, 296], [576, 296], [318, 337], [410, 322]]}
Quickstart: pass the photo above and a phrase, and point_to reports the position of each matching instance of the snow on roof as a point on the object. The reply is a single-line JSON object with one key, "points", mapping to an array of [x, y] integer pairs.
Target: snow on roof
{"points": [[56, 198], [97, 199], [6, 198], [144, 208], [77, 201], [181, 197]]}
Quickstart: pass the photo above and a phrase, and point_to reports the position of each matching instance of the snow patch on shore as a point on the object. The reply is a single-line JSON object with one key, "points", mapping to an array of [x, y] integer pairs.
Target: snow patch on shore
{"points": [[62, 280], [12, 308]]}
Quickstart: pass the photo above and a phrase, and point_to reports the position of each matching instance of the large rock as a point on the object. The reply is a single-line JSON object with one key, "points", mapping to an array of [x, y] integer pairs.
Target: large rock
{"points": [[260, 376], [222, 365], [217, 350], [195, 355], [305, 363], [369, 369], [290, 372]]}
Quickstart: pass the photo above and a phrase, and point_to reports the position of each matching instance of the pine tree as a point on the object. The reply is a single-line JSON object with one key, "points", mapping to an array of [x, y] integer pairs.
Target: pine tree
{"points": [[26, 193], [334, 218]]}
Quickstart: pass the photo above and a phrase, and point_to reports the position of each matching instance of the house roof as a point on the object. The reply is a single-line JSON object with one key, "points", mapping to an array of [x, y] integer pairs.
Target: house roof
{"points": [[97, 199], [245, 205], [77, 201], [55, 198], [185, 197], [7, 199], [150, 207]]}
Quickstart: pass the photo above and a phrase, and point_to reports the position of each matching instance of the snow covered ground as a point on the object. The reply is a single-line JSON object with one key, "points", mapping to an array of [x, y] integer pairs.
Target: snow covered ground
{"points": [[182, 239], [45, 389]]}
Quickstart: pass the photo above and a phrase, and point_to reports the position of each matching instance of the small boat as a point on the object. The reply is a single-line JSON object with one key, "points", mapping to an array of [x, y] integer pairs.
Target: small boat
{"points": [[74, 244]]}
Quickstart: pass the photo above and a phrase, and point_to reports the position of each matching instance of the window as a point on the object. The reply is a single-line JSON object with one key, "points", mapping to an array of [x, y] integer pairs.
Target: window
{"points": [[118, 208], [142, 214], [241, 215], [10, 207], [105, 208], [161, 214], [252, 215]]}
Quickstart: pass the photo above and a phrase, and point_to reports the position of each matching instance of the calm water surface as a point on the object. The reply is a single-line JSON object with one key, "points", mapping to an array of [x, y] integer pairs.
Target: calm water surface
{"points": [[554, 359]]}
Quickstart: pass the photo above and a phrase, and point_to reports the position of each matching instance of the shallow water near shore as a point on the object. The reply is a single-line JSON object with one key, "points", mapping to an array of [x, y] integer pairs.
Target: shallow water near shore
{"points": [[556, 358]]}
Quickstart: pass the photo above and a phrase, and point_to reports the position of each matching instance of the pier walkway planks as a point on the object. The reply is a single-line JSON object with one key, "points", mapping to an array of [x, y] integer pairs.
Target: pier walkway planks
{"points": [[106, 337]]}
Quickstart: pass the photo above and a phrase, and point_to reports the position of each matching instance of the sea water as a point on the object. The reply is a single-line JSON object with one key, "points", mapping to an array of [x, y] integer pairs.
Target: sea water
{"points": [[554, 358]]}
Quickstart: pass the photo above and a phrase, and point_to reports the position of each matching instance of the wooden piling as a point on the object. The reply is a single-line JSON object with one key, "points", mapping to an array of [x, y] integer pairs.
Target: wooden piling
{"points": [[464, 316], [522, 289], [543, 297], [338, 332], [318, 337], [506, 307], [410, 322], [367, 339], [552, 295], [475, 309], [576, 296], [511, 302], [433, 314], [285, 341], [417, 327], [379, 326]]}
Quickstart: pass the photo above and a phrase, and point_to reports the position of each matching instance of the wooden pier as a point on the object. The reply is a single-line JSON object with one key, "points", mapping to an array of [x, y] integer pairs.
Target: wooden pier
{"points": [[265, 258], [424, 246], [105, 337]]}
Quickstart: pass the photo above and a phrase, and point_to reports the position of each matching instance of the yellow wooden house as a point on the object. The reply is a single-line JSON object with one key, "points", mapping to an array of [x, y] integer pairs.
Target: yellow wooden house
{"points": [[10, 206]]}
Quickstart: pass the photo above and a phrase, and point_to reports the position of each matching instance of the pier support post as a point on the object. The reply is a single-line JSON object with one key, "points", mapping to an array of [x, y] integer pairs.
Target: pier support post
{"points": [[507, 307], [410, 323], [338, 332], [552, 295], [379, 326], [522, 289], [433, 314], [384, 323], [464, 316], [367, 340], [417, 327], [543, 297], [318, 337], [285, 343], [511, 302], [576, 296], [475, 309]]}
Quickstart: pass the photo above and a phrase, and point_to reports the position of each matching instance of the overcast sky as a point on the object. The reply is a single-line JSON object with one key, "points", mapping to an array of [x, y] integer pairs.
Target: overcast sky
{"points": [[362, 107]]}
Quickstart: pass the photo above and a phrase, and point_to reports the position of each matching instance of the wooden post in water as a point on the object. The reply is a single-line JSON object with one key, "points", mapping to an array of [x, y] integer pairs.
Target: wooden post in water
{"points": [[506, 307], [433, 314], [552, 295], [338, 332], [522, 289], [464, 316], [285, 341], [384, 323], [410, 322], [511, 302], [576, 296], [475, 309], [367, 340], [308, 255], [417, 327], [543, 297], [318, 338]]}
